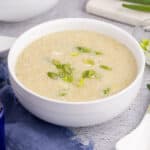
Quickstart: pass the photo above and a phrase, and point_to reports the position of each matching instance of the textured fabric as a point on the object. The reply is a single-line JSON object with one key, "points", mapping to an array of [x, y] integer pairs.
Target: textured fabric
{"points": [[112, 9], [2, 145], [25, 132]]}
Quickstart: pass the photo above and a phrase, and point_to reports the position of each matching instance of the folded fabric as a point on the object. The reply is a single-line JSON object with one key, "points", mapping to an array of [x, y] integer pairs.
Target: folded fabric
{"points": [[113, 9], [26, 132], [2, 142]]}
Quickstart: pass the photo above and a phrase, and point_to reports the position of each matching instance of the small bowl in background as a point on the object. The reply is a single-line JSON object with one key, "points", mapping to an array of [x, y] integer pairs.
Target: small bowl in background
{"points": [[19, 10]]}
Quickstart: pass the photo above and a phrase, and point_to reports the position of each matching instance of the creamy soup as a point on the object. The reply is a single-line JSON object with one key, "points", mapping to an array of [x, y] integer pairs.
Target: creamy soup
{"points": [[76, 66]]}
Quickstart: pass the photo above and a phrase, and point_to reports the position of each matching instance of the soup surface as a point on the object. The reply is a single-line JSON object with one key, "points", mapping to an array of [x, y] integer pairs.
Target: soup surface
{"points": [[76, 66]]}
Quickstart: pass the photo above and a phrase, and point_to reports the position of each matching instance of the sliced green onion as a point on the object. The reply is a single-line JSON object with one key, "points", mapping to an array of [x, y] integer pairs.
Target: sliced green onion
{"points": [[63, 92], [66, 68], [52, 75], [83, 49], [89, 61], [106, 91], [105, 67], [143, 8], [98, 53], [145, 44], [65, 71], [138, 1], [68, 78], [56, 63], [75, 54], [81, 82], [89, 74]]}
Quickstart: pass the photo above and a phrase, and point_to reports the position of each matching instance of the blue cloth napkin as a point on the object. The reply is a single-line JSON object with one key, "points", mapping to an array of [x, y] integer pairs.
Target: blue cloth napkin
{"points": [[2, 141], [26, 132]]}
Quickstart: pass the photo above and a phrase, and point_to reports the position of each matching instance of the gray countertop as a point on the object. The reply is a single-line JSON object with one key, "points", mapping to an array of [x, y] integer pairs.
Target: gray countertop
{"points": [[104, 136]]}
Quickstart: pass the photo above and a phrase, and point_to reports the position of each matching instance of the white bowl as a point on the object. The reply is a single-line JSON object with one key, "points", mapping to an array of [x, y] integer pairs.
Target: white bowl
{"points": [[75, 114], [18, 10]]}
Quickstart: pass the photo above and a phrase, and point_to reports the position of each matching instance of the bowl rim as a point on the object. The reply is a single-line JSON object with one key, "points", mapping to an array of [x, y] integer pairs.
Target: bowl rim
{"points": [[57, 101]]}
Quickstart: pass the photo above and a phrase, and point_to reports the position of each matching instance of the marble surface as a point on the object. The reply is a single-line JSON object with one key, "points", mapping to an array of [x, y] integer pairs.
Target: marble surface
{"points": [[104, 136]]}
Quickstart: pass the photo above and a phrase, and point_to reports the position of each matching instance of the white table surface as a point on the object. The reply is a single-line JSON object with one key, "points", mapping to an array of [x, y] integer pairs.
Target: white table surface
{"points": [[104, 136]]}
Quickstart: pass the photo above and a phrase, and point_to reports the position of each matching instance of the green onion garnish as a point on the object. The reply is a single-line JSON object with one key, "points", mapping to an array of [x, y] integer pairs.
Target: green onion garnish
{"points": [[106, 91], [66, 68], [56, 63], [138, 1], [75, 54], [98, 53], [65, 71], [83, 49], [80, 83], [68, 78], [105, 67], [89, 61], [52, 75], [137, 7], [63, 92], [89, 74], [145, 44]]}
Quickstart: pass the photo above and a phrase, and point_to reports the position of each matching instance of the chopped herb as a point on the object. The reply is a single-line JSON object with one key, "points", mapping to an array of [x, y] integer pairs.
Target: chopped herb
{"points": [[83, 49], [65, 76], [105, 67], [138, 1], [61, 74], [148, 86], [89, 74], [65, 72], [137, 7], [87, 50], [89, 61], [63, 92], [66, 68], [145, 43], [74, 54], [56, 63], [106, 91], [80, 83], [68, 78], [98, 53], [52, 75]]}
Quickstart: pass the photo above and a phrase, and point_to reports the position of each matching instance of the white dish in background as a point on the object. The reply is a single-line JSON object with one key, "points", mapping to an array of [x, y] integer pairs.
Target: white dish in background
{"points": [[75, 114], [19, 10], [138, 139]]}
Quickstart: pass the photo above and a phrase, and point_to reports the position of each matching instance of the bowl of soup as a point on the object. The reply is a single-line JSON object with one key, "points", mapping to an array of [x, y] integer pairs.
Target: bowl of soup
{"points": [[76, 71]]}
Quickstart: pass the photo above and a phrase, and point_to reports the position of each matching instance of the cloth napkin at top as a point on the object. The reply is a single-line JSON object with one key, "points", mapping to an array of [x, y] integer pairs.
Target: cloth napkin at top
{"points": [[26, 132], [112, 9]]}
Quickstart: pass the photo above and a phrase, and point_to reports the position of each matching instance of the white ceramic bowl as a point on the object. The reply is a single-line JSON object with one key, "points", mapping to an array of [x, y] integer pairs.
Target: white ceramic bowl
{"points": [[19, 10], [79, 113]]}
